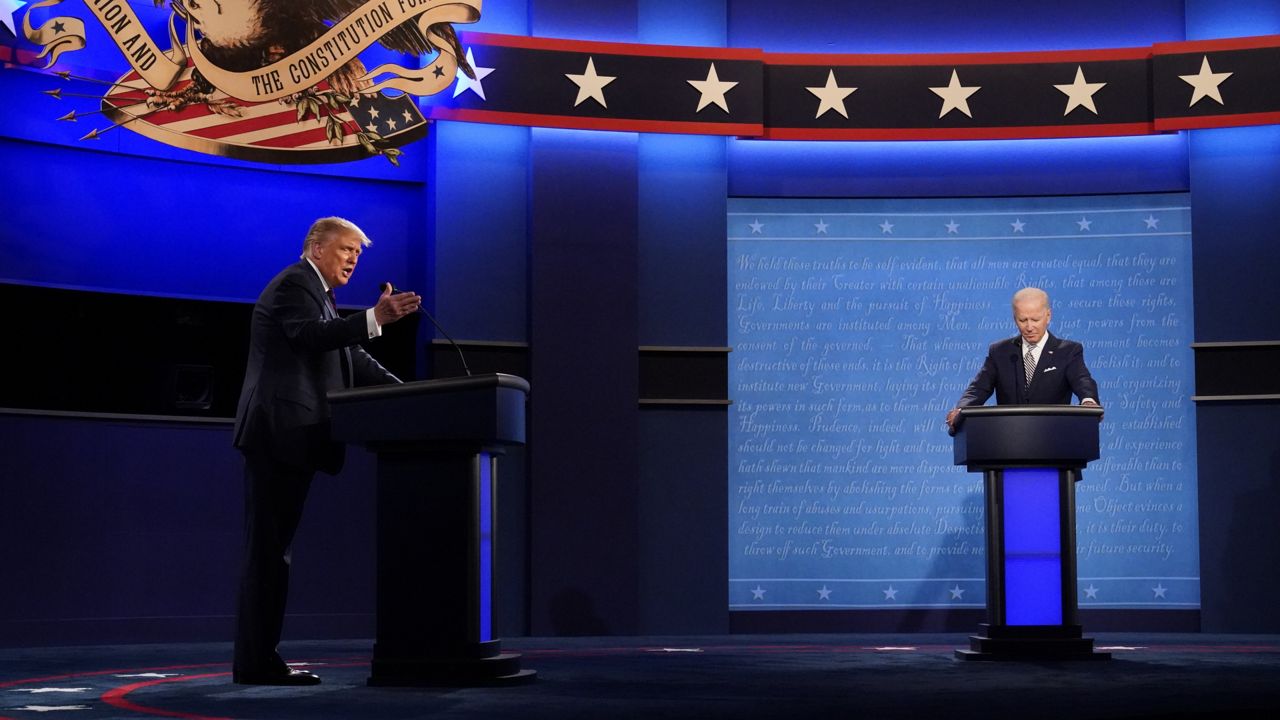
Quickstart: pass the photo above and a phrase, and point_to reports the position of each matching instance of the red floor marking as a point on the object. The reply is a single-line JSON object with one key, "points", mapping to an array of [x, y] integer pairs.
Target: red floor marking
{"points": [[95, 673], [115, 697]]}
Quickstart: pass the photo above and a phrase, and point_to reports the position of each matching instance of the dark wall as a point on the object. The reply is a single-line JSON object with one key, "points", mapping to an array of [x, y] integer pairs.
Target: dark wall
{"points": [[130, 531], [1235, 180]]}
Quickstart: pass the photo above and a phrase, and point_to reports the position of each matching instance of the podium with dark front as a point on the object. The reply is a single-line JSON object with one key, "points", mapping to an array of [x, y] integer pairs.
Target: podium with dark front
{"points": [[437, 443], [1031, 457]]}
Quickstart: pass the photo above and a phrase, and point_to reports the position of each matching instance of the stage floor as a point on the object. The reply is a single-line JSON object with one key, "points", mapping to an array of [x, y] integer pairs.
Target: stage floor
{"points": [[740, 676]]}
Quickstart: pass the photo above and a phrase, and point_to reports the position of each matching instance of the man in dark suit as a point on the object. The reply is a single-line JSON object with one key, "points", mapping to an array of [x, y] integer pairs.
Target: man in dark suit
{"points": [[299, 349], [1033, 368]]}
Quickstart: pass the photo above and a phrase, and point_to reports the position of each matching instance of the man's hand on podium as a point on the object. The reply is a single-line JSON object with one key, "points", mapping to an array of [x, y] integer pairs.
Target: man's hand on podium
{"points": [[1090, 402], [951, 420]]}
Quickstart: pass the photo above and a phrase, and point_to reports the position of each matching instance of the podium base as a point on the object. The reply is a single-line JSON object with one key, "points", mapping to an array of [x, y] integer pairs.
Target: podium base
{"points": [[1031, 643], [496, 671]]}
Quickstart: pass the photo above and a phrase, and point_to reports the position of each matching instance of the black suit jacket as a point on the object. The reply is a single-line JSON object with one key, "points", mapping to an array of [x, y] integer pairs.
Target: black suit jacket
{"points": [[1060, 373], [296, 348]]}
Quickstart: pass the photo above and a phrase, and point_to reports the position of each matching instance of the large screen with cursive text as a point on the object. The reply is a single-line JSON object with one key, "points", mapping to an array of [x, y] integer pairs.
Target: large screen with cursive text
{"points": [[856, 325]]}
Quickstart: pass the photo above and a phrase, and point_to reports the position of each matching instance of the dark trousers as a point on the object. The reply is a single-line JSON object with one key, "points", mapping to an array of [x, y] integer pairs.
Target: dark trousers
{"points": [[274, 494]]}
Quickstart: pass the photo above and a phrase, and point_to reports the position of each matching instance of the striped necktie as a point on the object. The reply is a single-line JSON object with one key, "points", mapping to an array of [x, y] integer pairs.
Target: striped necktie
{"points": [[1029, 363]]}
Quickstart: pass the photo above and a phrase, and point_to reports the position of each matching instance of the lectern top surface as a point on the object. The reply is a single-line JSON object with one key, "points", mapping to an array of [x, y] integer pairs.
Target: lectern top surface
{"points": [[1002, 410], [422, 387]]}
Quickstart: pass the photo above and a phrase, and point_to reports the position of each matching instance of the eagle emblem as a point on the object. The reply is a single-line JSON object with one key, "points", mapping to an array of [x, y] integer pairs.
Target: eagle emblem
{"points": [[270, 80]]}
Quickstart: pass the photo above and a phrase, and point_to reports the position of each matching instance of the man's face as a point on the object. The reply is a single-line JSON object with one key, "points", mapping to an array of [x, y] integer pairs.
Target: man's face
{"points": [[1032, 318], [336, 258]]}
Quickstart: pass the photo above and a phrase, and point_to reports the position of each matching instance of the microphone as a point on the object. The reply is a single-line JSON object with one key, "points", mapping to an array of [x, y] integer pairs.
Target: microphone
{"points": [[388, 286]]}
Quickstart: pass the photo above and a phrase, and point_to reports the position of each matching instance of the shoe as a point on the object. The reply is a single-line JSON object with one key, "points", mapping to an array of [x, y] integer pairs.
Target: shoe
{"points": [[288, 677]]}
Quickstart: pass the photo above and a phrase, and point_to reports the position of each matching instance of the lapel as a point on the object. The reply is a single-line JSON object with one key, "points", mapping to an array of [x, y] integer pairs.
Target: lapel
{"points": [[327, 311], [316, 287], [1015, 370]]}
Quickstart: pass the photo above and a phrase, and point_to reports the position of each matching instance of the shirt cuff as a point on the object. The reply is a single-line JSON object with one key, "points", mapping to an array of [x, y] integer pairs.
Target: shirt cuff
{"points": [[371, 324]]}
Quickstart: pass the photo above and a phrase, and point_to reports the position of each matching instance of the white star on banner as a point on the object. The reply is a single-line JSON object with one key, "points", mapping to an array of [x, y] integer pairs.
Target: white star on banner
{"points": [[52, 708], [957, 593], [1080, 93], [1091, 592], [1085, 224], [1160, 590], [831, 95], [476, 86], [821, 226], [886, 228], [1152, 221], [38, 691], [756, 226], [590, 85], [712, 90], [1205, 83], [953, 227], [824, 593], [891, 593], [955, 96], [1017, 225], [7, 9], [758, 593]]}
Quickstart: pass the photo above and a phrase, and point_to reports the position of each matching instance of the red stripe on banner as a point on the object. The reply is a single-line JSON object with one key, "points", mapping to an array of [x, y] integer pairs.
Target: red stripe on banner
{"points": [[610, 48], [238, 127], [292, 140], [1199, 46], [991, 133], [1217, 121], [989, 58], [575, 123], [164, 117]]}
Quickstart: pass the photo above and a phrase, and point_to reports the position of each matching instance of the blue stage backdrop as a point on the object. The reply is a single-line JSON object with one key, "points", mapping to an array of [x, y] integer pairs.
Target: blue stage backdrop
{"points": [[856, 324]]}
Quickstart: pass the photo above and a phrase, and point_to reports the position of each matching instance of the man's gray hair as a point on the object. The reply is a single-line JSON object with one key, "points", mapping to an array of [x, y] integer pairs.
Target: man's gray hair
{"points": [[1031, 293], [327, 228]]}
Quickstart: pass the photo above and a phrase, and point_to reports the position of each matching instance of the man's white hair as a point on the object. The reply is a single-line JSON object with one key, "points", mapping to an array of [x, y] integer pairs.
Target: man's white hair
{"points": [[327, 228]]}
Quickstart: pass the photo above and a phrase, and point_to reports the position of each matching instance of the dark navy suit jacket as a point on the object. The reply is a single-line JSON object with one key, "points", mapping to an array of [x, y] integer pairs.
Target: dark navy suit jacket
{"points": [[1060, 373], [296, 348]]}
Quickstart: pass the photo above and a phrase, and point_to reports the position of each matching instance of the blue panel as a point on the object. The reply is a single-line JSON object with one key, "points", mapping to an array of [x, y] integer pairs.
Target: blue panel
{"points": [[582, 331], [1211, 19], [683, 22], [1235, 176], [118, 223], [509, 17], [481, 229], [486, 546], [682, 224], [572, 19], [761, 168], [1033, 590], [928, 26], [1032, 541], [1031, 511]]}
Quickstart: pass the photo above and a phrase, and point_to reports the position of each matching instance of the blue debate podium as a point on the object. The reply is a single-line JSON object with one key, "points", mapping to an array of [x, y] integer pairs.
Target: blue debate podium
{"points": [[1031, 457], [437, 443]]}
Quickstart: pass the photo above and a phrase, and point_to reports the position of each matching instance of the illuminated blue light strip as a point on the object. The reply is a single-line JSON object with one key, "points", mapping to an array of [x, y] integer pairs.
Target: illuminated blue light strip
{"points": [[1032, 547], [486, 547]]}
